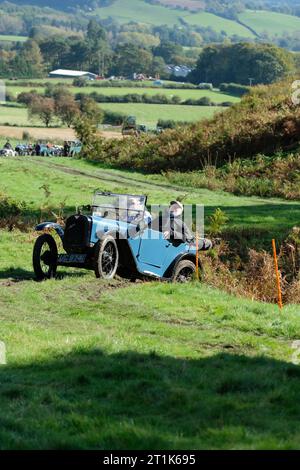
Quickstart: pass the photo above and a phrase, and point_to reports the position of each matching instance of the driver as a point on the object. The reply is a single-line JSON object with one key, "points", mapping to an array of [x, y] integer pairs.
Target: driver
{"points": [[135, 210]]}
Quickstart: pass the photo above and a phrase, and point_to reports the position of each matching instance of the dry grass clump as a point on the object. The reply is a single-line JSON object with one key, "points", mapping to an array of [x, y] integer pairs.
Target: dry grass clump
{"points": [[260, 278], [292, 294], [255, 277]]}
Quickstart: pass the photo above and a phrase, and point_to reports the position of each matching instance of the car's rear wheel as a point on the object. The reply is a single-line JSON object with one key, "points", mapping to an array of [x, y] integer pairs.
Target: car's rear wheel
{"points": [[184, 271], [106, 258], [45, 257]]}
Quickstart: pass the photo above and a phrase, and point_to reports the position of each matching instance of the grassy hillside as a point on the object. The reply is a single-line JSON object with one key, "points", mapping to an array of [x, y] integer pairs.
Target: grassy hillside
{"points": [[257, 20], [140, 11], [273, 215], [217, 23], [265, 121], [270, 22], [93, 366], [209, 14], [120, 366]]}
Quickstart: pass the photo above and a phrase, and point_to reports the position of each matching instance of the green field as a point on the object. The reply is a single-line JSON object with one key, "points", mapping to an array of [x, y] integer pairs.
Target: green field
{"points": [[218, 24], [17, 116], [95, 365], [146, 113], [149, 114], [139, 11], [11, 38], [39, 81], [215, 96], [270, 22]]}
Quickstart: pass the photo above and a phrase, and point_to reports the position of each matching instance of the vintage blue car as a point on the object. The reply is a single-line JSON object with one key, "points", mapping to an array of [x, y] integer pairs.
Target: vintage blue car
{"points": [[119, 237]]}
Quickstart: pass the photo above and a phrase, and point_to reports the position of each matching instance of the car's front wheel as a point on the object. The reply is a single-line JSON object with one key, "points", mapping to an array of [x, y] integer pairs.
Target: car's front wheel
{"points": [[184, 271], [45, 257], [106, 258]]}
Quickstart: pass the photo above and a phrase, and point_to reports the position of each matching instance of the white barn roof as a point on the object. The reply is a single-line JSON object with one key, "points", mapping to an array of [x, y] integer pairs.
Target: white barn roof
{"points": [[71, 73]]}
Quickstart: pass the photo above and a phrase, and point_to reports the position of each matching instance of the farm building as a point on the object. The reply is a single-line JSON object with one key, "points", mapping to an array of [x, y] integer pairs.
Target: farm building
{"points": [[61, 73], [178, 70]]}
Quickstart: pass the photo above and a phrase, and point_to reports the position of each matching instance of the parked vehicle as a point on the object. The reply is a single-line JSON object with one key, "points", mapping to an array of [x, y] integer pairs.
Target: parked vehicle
{"points": [[24, 149], [114, 239], [47, 150], [130, 127], [7, 153], [75, 148], [142, 129]]}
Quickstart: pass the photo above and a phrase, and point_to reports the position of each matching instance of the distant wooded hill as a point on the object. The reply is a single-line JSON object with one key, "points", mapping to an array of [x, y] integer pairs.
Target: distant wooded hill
{"points": [[223, 7]]}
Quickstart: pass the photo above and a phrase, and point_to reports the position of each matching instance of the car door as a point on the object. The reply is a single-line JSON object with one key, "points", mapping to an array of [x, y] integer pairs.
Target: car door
{"points": [[153, 248]]}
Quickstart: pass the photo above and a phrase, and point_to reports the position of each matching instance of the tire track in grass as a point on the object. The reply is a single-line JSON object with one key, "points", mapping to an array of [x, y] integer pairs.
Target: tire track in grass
{"points": [[106, 175]]}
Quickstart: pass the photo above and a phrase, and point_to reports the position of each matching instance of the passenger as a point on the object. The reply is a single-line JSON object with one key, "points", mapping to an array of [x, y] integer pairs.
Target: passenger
{"points": [[135, 210]]}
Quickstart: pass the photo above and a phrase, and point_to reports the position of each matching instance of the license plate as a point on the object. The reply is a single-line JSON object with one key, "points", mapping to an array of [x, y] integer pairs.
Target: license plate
{"points": [[70, 259]]}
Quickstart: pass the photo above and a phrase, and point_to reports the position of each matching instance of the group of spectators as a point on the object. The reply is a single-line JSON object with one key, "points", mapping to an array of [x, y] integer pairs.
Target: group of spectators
{"points": [[41, 149]]}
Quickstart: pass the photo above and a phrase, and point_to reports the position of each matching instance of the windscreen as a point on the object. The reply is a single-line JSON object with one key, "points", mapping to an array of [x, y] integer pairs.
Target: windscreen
{"points": [[124, 207]]}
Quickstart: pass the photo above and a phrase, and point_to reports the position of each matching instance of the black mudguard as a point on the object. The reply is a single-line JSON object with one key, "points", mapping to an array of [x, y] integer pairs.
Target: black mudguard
{"points": [[51, 225]]}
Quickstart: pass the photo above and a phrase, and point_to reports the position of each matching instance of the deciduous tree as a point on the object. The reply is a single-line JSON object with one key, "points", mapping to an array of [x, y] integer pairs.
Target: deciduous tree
{"points": [[42, 107]]}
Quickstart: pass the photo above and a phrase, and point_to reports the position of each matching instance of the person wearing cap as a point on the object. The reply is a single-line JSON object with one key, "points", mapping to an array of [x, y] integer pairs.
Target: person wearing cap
{"points": [[175, 228], [170, 223]]}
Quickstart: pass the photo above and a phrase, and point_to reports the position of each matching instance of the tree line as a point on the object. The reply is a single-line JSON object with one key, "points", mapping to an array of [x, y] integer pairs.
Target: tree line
{"points": [[217, 63], [93, 52], [243, 63]]}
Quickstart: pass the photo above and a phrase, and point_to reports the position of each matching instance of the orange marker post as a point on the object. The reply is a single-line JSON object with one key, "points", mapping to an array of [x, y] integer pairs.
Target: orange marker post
{"points": [[280, 304], [197, 256]]}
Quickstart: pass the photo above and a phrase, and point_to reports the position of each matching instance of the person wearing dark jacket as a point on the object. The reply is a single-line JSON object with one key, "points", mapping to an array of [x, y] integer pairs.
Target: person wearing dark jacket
{"points": [[175, 229], [38, 149]]}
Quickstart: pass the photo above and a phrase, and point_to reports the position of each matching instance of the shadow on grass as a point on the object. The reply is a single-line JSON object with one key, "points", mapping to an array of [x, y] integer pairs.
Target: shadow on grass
{"points": [[19, 274], [89, 399]]}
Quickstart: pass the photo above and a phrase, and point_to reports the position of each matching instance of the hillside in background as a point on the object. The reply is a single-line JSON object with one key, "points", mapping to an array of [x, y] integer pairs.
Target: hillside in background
{"points": [[222, 7], [264, 122], [263, 19]]}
